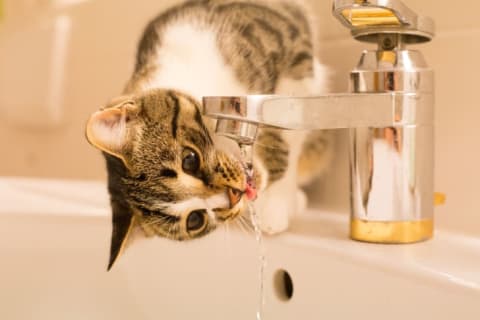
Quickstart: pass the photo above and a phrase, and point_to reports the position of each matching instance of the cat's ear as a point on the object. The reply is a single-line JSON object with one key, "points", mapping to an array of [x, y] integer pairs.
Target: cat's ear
{"points": [[122, 225], [108, 128]]}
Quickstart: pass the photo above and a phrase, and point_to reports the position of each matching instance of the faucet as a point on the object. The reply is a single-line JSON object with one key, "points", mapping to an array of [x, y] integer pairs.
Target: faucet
{"points": [[388, 112]]}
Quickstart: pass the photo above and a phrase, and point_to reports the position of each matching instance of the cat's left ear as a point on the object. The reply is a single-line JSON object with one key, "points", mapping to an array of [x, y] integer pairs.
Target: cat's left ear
{"points": [[109, 128]]}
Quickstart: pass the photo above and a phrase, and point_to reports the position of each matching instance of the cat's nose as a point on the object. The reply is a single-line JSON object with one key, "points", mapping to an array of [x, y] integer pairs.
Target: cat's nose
{"points": [[234, 196]]}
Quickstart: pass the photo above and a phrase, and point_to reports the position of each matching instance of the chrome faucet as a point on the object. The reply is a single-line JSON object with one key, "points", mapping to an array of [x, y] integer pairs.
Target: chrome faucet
{"points": [[389, 115]]}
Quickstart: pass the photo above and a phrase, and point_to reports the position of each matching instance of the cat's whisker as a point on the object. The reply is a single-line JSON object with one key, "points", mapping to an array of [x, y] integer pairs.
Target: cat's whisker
{"points": [[247, 227], [227, 239], [155, 220], [239, 227], [234, 224], [243, 226], [247, 222], [170, 230], [226, 230], [147, 223]]}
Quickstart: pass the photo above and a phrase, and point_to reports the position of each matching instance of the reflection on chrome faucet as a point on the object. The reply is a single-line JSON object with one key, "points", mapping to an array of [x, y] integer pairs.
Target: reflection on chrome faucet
{"points": [[388, 176]]}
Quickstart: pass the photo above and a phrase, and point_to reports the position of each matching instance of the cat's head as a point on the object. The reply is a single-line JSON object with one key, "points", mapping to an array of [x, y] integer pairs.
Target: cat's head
{"points": [[166, 174]]}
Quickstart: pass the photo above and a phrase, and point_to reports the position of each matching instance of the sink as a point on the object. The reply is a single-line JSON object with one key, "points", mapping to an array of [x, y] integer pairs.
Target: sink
{"points": [[54, 250]]}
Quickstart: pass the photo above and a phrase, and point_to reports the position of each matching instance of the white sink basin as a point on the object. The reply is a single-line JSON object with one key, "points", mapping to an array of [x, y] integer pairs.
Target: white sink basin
{"points": [[54, 242]]}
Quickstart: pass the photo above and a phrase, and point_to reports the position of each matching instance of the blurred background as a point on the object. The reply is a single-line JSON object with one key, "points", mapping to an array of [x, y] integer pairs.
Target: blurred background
{"points": [[60, 60]]}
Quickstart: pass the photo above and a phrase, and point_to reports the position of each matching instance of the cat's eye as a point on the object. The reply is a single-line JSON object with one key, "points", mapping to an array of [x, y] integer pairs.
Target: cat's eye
{"points": [[196, 220], [190, 161]]}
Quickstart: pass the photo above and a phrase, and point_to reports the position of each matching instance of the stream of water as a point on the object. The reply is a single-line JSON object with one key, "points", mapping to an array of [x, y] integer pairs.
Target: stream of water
{"points": [[247, 154], [262, 261]]}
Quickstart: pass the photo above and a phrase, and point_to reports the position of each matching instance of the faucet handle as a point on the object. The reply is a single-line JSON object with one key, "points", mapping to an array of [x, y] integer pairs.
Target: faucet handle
{"points": [[371, 20]]}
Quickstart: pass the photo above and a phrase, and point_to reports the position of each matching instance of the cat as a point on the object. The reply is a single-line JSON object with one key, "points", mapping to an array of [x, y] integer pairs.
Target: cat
{"points": [[168, 174]]}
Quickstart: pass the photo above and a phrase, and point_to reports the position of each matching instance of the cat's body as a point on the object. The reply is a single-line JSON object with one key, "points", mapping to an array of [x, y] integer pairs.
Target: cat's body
{"points": [[168, 174]]}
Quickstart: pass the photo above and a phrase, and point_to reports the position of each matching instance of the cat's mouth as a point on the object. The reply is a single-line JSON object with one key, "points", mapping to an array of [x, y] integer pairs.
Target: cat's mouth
{"points": [[235, 195], [250, 191]]}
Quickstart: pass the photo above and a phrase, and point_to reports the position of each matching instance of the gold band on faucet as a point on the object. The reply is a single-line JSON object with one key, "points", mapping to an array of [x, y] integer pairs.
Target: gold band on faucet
{"points": [[391, 231]]}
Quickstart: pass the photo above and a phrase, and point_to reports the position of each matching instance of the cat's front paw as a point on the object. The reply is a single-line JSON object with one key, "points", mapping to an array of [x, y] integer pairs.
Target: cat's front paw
{"points": [[273, 219], [275, 210]]}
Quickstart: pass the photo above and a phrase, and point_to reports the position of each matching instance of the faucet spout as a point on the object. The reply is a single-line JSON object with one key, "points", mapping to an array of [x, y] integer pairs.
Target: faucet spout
{"points": [[331, 111]]}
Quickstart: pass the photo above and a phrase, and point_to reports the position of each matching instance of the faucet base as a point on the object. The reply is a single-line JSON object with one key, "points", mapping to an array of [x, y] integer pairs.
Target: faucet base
{"points": [[391, 231]]}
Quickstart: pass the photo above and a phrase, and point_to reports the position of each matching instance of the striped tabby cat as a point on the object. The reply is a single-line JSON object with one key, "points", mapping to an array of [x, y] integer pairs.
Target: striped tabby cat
{"points": [[168, 175]]}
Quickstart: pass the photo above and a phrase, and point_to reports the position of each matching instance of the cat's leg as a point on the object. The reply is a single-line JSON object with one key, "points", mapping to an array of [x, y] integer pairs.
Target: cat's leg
{"points": [[277, 154], [283, 197]]}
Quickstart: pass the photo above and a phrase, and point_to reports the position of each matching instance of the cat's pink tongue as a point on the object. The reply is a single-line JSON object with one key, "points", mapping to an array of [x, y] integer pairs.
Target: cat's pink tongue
{"points": [[251, 192]]}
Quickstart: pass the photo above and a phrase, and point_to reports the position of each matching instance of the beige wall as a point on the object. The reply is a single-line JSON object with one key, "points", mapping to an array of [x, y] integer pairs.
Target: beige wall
{"points": [[101, 55]]}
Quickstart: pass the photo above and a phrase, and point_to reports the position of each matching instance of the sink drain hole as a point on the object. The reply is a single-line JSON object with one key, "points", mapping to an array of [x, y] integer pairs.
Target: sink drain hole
{"points": [[283, 285]]}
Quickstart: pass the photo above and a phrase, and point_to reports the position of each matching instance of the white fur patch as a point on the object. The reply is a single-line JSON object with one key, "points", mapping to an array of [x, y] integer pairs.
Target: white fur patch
{"points": [[216, 201], [190, 61]]}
